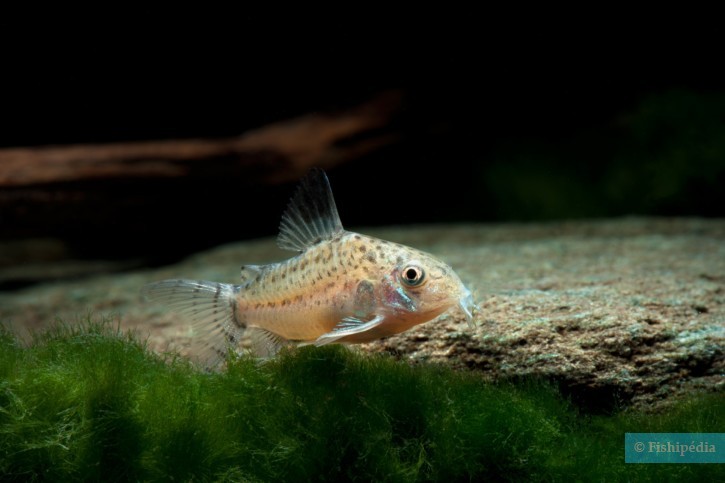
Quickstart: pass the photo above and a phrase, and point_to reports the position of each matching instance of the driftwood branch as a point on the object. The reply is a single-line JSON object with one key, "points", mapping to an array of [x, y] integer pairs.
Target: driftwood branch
{"points": [[275, 153], [144, 199]]}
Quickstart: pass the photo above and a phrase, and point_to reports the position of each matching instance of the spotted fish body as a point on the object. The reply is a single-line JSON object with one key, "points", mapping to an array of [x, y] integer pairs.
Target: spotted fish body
{"points": [[342, 287]]}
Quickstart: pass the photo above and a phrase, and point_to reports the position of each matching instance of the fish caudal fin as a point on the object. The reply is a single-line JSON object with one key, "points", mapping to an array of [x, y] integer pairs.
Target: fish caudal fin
{"points": [[209, 306]]}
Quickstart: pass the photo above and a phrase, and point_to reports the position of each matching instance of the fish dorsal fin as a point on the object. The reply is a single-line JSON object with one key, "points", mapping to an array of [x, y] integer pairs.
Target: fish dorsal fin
{"points": [[311, 215]]}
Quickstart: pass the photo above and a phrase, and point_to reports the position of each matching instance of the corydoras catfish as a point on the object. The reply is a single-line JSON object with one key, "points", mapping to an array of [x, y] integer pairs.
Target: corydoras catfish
{"points": [[341, 287]]}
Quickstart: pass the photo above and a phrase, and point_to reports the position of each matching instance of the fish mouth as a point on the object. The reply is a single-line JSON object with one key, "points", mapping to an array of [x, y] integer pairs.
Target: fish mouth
{"points": [[467, 305]]}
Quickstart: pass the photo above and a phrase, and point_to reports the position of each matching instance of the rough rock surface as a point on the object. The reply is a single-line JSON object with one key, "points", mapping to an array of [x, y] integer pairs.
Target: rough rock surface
{"points": [[627, 311]]}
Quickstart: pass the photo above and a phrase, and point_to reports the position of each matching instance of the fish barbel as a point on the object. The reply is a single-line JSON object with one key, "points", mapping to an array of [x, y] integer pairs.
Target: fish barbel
{"points": [[342, 287]]}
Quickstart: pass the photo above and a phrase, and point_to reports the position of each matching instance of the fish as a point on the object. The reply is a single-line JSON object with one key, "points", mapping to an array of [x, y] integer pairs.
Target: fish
{"points": [[342, 287]]}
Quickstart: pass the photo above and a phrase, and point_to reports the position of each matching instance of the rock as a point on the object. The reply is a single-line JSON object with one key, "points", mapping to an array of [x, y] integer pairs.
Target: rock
{"points": [[619, 312]]}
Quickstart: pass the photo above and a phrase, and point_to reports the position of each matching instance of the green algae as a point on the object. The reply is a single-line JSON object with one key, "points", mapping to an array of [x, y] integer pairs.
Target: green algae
{"points": [[87, 402]]}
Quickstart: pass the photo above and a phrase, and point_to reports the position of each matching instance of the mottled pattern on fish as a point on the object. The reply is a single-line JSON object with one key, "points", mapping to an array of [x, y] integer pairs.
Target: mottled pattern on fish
{"points": [[342, 287], [345, 277]]}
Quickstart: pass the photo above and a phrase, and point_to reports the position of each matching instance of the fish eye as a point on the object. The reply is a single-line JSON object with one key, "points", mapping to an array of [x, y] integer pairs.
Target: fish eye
{"points": [[412, 276]]}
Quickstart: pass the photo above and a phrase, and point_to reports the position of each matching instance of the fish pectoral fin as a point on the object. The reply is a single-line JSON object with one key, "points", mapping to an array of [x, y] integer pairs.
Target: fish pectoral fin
{"points": [[348, 326], [265, 343]]}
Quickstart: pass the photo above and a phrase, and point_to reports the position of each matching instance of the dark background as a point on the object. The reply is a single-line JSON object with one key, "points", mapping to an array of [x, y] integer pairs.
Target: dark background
{"points": [[488, 130]]}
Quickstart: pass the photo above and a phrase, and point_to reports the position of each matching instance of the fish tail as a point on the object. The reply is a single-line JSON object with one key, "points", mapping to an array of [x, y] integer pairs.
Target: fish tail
{"points": [[211, 309]]}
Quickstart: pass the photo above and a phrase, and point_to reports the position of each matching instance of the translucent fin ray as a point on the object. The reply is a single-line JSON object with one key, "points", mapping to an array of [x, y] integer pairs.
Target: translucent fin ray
{"points": [[348, 326], [250, 272], [209, 306], [311, 215], [265, 343]]}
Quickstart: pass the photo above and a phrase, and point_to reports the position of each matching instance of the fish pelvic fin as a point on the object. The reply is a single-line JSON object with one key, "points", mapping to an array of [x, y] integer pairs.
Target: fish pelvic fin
{"points": [[311, 216], [265, 343], [210, 307]]}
